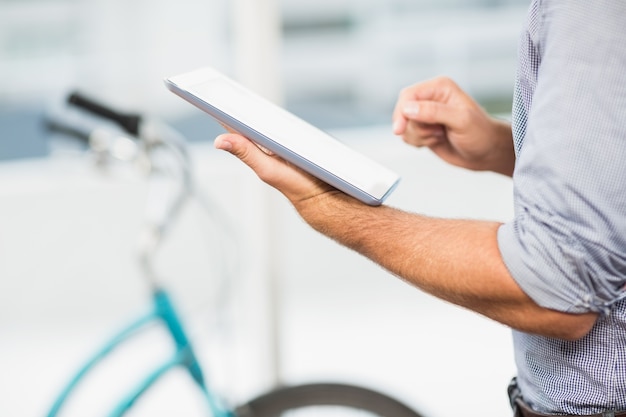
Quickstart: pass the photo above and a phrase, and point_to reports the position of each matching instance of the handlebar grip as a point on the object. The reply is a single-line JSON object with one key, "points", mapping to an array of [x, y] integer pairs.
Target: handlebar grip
{"points": [[129, 122]]}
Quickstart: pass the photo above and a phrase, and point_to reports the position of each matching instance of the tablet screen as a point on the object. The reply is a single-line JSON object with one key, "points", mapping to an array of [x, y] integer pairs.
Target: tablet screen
{"points": [[338, 164]]}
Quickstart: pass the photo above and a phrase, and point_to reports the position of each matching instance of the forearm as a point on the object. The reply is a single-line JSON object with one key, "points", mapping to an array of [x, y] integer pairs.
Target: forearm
{"points": [[455, 260]]}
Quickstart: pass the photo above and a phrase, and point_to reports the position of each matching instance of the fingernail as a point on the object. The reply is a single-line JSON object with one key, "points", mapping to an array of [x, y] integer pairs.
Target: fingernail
{"points": [[396, 126], [223, 144], [411, 109]]}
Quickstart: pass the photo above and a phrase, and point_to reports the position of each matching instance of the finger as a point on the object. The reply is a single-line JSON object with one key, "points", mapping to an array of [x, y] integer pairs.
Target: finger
{"points": [[228, 128], [427, 130], [433, 113], [436, 89], [424, 142], [399, 125], [397, 117], [223, 142], [439, 89], [407, 103], [420, 134]]}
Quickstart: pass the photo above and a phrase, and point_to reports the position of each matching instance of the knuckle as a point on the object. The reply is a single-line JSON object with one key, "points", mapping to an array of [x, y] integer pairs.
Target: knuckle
{"points": [[405, 93], [414, 135], [444, 80], [428, 112], [412, 140]]}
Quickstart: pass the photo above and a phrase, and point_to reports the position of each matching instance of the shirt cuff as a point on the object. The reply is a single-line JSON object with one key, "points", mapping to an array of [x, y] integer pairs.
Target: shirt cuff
{"points": [[548, 268]]}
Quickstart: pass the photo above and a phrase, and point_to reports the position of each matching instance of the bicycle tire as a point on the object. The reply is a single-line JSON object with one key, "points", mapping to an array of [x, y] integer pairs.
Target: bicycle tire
{"points": [[281, 400]]}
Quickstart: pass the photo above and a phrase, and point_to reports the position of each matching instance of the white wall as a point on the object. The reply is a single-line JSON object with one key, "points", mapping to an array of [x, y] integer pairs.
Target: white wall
{"points": [[116, 50], [120, 51], [68, 280], [382, 49]]}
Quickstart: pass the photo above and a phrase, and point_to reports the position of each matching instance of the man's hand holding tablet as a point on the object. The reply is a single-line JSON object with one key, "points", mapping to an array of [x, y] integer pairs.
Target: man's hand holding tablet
{"points": [[284, 134]]}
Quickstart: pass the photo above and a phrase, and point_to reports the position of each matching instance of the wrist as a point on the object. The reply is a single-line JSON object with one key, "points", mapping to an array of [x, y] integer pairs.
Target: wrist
{"points": [[504, 153], [496, 152], [321, 210]]}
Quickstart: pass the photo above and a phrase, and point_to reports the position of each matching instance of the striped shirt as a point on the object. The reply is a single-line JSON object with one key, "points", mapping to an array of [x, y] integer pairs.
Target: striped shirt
{"points": [[566, 246]]}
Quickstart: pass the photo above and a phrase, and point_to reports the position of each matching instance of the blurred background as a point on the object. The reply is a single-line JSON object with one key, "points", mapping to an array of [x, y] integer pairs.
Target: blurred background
{"points": [[299, 308]]}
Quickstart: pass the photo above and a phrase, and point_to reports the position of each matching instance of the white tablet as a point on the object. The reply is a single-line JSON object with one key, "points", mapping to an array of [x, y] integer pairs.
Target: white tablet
{"points": [[283, 133]]}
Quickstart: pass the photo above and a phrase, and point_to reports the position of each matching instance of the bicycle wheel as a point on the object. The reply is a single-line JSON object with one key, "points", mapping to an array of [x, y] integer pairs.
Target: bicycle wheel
{"points": [[322, 400]]}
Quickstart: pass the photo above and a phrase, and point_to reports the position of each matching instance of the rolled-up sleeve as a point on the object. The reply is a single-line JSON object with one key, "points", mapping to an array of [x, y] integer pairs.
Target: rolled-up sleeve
{"points": [[566, 246]]}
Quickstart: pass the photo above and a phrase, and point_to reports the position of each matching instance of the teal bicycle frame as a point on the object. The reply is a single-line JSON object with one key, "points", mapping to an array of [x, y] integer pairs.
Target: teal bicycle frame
{"points": [[166, 152], [164, 312]]}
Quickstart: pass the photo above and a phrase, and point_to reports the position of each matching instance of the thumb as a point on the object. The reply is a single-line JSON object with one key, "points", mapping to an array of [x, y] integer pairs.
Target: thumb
{"points": [[224, 142], [242, 148], [270, 168]]}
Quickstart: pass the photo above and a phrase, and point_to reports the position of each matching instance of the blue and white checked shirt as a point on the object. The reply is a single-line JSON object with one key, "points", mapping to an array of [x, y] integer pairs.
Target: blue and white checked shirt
{"points": [[566, 246]]}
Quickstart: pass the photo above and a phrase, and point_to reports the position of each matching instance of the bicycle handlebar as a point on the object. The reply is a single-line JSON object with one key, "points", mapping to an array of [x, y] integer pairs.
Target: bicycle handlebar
{"points": [[161, 153], [67, 129], [128, 121]]}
